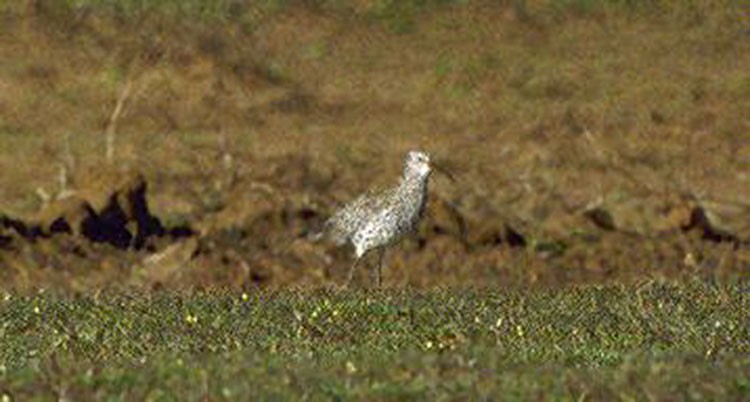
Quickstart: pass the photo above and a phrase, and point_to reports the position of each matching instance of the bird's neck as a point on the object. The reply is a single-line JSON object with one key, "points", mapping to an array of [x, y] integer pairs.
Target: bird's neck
{"points": [[414, 185], [413, 192]]}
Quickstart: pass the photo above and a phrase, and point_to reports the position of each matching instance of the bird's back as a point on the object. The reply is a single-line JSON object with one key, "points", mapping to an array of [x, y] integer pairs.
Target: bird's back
{"points": [[357, 214], [386, 214]]}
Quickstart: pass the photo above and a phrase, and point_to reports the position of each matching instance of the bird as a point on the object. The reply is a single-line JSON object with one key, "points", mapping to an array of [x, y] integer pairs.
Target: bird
{"points": [[377, 219]]}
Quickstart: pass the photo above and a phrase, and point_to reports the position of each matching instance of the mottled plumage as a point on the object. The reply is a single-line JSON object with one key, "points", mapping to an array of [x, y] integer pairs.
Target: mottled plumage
{"points": [[375, 220]]}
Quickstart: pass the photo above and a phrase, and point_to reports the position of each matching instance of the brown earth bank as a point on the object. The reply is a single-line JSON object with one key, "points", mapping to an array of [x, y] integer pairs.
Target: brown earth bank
{"points": [[169, 150]]}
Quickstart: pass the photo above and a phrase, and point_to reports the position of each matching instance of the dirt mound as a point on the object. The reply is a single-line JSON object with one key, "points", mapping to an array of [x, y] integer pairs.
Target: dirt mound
{"points": [[250, 132], [256, 234], [98, 232], [111, 209]]}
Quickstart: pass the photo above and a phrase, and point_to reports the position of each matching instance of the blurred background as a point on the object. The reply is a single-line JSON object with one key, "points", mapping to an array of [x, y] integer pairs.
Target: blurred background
{"points": [[173, 143]]}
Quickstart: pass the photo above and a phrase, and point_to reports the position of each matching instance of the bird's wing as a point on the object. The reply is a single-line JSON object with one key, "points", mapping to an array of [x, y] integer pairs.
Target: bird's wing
{"points": [[342, 225]]}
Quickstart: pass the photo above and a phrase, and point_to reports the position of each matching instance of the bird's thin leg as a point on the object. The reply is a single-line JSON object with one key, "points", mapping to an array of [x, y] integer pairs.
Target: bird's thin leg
{"points": [[379, 268], [350, 276]]}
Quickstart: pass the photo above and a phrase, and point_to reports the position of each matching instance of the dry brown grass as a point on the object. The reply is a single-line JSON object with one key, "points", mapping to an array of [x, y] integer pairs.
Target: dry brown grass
{"points": [[543, 115]]}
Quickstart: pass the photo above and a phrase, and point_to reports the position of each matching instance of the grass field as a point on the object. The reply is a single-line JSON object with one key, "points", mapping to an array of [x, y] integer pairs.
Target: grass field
{"points": [[656, 341], [164, 160]]}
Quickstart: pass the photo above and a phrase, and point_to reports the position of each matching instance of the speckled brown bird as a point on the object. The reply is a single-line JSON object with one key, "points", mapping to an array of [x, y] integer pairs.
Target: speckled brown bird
{"points": [[377, 219]]}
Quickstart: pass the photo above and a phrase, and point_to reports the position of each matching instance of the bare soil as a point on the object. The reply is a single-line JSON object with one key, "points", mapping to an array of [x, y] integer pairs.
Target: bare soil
{"points": [[589, 147]]}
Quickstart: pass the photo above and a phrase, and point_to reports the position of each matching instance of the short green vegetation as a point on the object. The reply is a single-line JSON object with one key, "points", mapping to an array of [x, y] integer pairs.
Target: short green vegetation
{"points": [[655, 341]]}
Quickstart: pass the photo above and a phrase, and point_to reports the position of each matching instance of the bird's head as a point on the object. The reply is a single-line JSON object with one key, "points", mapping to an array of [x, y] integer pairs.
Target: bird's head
{"points": [[417, 165]]}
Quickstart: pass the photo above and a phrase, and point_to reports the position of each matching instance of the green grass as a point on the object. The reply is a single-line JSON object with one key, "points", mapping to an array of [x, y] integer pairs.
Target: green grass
{"points": [[683, 341]]}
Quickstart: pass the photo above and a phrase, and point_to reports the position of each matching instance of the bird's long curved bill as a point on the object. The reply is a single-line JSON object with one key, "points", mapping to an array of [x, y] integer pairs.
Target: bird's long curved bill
{"points": [[441, 169]]}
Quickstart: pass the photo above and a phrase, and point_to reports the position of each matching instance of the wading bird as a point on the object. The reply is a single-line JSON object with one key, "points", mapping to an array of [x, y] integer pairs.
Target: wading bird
{"points": [[375, 220]]}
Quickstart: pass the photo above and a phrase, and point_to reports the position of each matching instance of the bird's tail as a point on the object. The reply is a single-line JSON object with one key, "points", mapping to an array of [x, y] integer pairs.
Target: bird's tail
{"points": [[316, 236], [329, 232], [323, 233]]}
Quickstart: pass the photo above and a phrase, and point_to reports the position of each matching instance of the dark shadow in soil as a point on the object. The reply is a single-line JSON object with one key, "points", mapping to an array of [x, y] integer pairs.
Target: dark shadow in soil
{"points": [[124, 222]]}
